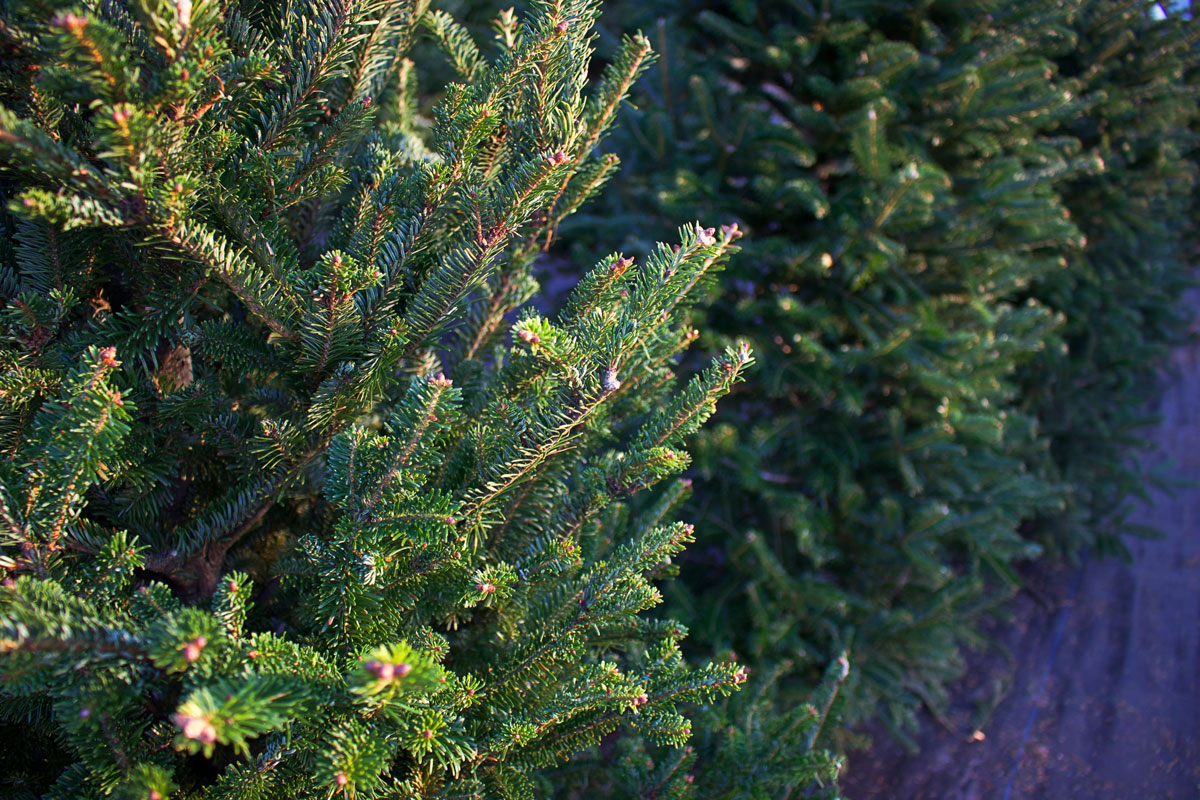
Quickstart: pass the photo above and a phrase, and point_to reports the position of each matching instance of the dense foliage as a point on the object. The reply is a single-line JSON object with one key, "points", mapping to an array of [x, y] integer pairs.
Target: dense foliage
{"points": [[310, 489], [968, 227], [1119, 296], [302, 497]]}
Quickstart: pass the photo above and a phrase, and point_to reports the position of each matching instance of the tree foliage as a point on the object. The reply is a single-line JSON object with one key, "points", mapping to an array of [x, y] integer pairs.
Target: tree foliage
{"points": [[303, 497], [967, 234]]}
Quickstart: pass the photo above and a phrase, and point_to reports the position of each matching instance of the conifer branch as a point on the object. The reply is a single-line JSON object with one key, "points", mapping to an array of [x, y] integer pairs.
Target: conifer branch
{"points": [[425, 417], [312, 72], [632, 59], [835, 679], [530, 458], [213, 253]]}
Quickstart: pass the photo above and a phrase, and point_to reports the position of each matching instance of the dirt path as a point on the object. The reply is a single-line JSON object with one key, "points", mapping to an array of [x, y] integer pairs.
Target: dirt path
{"points": [[1105, 671]]}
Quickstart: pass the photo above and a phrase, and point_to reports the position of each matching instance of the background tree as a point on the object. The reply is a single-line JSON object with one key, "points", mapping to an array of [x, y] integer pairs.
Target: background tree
{"points": [[968, 229]]}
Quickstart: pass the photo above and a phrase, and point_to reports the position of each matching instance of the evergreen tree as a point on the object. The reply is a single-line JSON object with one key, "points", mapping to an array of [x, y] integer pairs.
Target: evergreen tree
{"points": [[931, 196], [1120, 296], [302, 496]]}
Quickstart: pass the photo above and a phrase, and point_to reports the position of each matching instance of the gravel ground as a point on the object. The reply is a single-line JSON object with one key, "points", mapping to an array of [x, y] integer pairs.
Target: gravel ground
{"points": [[1101, 681]]}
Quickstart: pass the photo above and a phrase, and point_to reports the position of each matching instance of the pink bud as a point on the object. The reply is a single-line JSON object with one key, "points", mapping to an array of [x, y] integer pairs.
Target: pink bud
{"points": [[340, 779], [381, 670], [198, 728], [485, 588], [191, 651], [72, 22]]}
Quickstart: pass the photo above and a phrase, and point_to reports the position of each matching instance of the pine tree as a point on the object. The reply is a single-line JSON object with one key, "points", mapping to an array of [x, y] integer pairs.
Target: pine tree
{"points": [[934, 203], [303, 497]]}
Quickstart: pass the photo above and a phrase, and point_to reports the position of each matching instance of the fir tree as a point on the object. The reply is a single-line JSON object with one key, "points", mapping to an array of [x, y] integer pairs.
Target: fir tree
{"points": [[302, 497], [942, 271], [1120, 298]]}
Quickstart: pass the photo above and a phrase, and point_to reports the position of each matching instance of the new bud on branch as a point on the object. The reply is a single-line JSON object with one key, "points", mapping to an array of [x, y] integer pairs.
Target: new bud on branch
{"points": [[196, 727], [193, 649], [386, 671]]}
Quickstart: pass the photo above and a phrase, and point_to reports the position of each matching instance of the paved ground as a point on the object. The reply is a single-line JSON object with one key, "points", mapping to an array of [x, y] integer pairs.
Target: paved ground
{"points": [[1103, 686]]}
